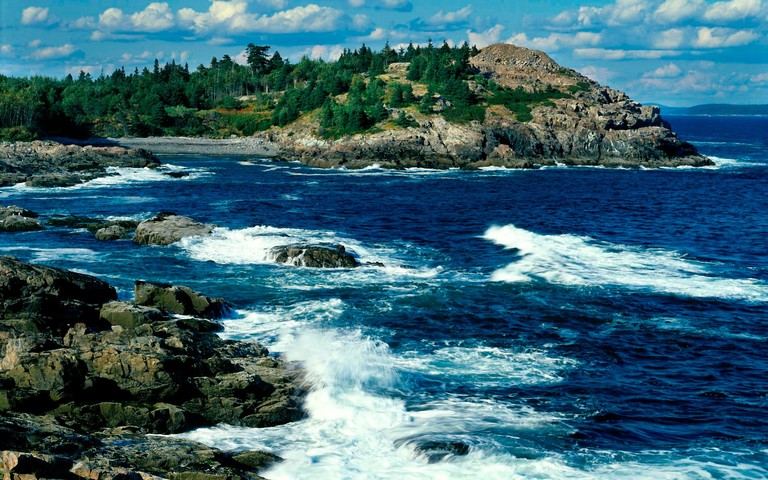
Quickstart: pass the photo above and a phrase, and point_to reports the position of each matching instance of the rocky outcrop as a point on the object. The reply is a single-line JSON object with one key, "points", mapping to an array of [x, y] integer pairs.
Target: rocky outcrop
{"points": [[593, 125], [17, 219], [83, 377], [167, 228], [53, 164], [315, 256], [179, 300], [105, 230]]}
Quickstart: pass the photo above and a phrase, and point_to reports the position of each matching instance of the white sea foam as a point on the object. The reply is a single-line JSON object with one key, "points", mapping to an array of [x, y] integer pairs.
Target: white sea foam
{"points": [[735, 163], [576, 260], [44, 255], [255, 245], [489, 366]]}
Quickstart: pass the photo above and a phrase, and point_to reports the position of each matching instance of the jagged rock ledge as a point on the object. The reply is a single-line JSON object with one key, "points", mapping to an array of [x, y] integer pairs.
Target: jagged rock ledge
{"points": [[595, 125], [84, 378], [54, 164]]}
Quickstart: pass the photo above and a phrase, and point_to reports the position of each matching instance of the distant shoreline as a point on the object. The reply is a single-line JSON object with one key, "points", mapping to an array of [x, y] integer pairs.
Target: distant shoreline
{"points": [[186, 145]]}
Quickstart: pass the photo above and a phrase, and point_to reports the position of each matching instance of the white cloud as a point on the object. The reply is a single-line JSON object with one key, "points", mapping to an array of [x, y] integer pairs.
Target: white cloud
{"points": [[402, 5], [556, 41], [155, 18], [608, 54], [759, 79], [33, 15], [672, 38], [627, 12], [310, 18], [111, 19], [674, 11], [670, 70], [723, 37], [35, 43], [488, 37], [733, 10], [6, 50], [54, 52], [83, 23], [599, 74], [449, 18]]}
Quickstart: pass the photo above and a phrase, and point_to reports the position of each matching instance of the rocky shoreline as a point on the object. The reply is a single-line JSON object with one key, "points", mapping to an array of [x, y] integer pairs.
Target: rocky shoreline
{"points": [[54, 164], [85, 378]]}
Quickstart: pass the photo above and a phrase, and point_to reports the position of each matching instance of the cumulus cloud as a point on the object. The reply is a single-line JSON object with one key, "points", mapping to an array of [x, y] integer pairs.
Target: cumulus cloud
{"points": [[399, 5], [670, 70], [232, 16], [35, 15], [733, 10], [48, 53], [555, 41], [155, 18], [450, 18], [759, 79], [723, 37], [609, 54], [674, 11], [488, 37], [599, 74], [6, 50], [672, 38]]}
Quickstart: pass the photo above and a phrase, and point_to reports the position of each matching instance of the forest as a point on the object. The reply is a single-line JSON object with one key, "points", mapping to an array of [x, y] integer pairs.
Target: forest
{"points": [[350, 95]]}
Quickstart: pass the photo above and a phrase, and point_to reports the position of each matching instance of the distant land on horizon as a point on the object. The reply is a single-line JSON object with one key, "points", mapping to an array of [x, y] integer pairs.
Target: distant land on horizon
{"points": [[716, 109]]}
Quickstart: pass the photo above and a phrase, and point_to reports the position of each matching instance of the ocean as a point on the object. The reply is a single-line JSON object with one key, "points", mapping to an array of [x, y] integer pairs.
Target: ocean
{"points": [[558, 323]]}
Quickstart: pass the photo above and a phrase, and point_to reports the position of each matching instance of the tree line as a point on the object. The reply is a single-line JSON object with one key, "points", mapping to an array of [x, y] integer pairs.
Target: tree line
{"points": [[227, 98]]}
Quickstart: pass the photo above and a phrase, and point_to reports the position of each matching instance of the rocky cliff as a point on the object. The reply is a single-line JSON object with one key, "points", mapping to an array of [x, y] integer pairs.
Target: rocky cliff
{"points": [[591, 125]]}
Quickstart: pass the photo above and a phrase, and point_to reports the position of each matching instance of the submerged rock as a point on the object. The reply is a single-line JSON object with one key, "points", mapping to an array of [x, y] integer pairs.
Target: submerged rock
{"points": [[113, 232], [315, 256], [168, 228]]}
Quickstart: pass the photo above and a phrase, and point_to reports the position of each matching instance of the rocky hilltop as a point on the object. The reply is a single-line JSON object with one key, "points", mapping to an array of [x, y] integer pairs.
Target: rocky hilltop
{"points": [[588, 124]]}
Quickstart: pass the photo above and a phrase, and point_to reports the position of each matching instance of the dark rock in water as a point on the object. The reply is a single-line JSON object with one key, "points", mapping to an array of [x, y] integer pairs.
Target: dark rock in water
{"points": [[51, 298], [17, 219], [437, 451], [167, 228], [179, 300], [113, 232], [315, 256], [177, 174], [50, 180]]}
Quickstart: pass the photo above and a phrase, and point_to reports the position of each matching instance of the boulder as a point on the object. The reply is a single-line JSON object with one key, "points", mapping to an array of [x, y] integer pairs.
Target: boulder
{"points": [[315, 256], [17, 219], [168, 228], [179, 300], [52, 298], [129, 315], [113, 232], [50, 180]]}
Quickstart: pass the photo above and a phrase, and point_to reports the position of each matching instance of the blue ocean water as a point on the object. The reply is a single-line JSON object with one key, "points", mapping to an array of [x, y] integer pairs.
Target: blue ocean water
{"points": [[580, 323]]}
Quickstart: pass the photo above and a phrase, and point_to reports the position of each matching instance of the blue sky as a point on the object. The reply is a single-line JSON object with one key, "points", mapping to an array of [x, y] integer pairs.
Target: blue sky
{"points": [[675, 52]]}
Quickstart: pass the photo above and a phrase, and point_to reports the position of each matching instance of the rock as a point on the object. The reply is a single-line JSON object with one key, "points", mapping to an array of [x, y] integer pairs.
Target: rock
{"points": [[50, 180], [114, 232], [51, 298], [179, 300], [17, 219], [167, 228], [30, 466], [128, 315], [315, 256]]}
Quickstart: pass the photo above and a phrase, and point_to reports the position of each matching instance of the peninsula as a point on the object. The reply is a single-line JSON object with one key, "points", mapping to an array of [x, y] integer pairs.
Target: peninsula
{"points": [[429, 107]]}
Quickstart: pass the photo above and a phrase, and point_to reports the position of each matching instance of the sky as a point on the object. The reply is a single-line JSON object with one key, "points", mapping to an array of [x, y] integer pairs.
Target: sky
{"points": [[671, 52]]}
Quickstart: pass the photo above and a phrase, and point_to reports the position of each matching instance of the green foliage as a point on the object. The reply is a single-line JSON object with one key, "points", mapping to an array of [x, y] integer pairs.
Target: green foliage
{"points": [[519, 100], [403, 120], [579, 87]]}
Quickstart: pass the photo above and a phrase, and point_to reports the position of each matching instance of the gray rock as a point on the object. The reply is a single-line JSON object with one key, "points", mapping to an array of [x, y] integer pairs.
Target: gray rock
{"points": [[129, 315], [178, 299], [17, 219], [52, 298], [113, 232], [315, 256], [168, 228]]}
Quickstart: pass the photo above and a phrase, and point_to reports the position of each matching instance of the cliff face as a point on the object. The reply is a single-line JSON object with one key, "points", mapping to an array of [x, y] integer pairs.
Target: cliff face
{"points": [[595, 125]]}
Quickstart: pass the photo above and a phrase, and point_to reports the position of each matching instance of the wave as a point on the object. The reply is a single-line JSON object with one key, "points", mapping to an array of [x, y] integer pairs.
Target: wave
{"points": [[255, 245], [583, 261], [734, 163], [47, 255]]}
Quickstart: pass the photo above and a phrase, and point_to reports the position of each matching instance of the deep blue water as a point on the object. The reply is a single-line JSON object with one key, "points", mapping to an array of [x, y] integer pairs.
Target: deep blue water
{"points": [[556, 323]]}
